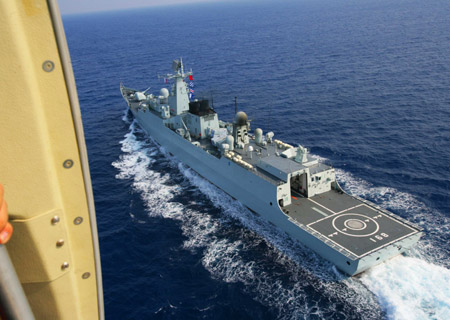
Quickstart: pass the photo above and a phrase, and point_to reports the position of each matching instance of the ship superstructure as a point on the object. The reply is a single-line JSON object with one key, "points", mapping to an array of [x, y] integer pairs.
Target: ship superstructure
{"points": [[282, 183]]}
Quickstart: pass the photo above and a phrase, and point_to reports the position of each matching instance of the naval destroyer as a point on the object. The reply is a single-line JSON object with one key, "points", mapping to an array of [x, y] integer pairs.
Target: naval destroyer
{"points": [[283, 184]]}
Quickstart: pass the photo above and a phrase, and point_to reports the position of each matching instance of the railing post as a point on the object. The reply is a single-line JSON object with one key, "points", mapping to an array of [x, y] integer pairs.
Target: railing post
{"points": [[13, 302]]}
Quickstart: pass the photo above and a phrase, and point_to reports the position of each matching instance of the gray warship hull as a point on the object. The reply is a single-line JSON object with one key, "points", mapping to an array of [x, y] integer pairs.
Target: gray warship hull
{"points": [[352, 233]]}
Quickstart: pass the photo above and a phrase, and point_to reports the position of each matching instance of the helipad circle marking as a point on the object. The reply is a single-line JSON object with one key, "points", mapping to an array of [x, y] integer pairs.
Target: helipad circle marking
{"points": [[362, 217], [355, 224]]}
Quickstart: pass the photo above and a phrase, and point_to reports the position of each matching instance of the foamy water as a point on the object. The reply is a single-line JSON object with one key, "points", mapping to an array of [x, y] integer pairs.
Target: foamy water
{"points": [[412, 287]]}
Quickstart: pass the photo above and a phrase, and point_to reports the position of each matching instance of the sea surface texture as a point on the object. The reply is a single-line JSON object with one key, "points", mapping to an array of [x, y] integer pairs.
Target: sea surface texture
{"points": [[365, 85]]}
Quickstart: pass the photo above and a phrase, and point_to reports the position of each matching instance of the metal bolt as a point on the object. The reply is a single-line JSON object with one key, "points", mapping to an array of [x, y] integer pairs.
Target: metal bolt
{"points": [[55, 220], [78, 220], [68, 163], [86, 275], [64, 266], [48, 66], [60, 243]]}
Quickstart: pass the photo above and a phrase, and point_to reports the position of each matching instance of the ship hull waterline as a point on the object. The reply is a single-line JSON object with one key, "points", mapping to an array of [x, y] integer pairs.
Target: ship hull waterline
{"points": [[241, 184]]}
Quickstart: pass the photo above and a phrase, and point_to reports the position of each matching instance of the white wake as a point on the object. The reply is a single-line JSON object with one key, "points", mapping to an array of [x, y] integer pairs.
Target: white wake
{"points": [[410, 288]]}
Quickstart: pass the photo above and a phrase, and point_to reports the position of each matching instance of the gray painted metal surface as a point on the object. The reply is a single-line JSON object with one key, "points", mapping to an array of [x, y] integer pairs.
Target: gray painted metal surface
{"points": [[283, 184]]}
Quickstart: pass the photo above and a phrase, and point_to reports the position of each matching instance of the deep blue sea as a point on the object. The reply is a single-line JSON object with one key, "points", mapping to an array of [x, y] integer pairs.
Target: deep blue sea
{"points": [[365, 85]]}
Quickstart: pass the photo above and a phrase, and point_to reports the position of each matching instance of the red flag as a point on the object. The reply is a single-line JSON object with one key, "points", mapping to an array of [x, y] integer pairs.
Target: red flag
{"points": [[191, 77]]}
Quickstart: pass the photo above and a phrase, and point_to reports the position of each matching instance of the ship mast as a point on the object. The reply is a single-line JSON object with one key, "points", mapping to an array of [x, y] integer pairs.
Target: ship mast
{"points": [[178, 100], [181, 67]]}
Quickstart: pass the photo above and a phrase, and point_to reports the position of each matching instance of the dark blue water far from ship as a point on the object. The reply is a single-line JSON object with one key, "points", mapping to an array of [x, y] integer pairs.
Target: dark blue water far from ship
{"points": [[363, 84]]}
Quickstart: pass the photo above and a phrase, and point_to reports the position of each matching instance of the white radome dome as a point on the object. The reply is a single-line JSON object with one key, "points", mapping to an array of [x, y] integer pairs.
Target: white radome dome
{"points": [[164, 92]]}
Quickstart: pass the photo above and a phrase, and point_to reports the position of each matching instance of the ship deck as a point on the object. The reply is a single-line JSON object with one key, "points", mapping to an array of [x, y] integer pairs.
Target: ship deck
{"points": [[348, 223], [252, 158], [351, 225], [261, 153]]}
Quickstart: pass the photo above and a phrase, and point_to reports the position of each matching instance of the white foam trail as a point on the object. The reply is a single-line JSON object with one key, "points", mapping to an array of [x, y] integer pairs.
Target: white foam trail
{"points": [[410, 288], [133, 164], [125, 116]]}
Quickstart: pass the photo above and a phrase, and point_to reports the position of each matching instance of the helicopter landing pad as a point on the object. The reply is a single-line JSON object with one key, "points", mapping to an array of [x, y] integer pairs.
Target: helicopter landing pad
{"points": [[362, 229]]}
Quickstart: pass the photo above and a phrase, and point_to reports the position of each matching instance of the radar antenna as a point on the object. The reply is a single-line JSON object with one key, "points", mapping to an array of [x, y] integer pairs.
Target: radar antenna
{"points": [[178, 68]]}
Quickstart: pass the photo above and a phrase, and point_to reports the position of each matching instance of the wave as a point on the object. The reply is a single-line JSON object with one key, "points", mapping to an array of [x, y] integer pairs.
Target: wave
{"points": [[410, 288], [238, 247]]}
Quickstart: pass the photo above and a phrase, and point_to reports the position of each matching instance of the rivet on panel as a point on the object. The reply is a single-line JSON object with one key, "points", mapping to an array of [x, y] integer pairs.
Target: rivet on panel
{"points": [[55, 220], [48, 66], [68, 163], [78, 220], [64, 266], [86, 275], [60, 243]]}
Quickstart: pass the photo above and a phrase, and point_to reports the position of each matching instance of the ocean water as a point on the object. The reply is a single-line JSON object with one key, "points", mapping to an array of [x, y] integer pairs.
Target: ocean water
{"points": [[363, 84]]}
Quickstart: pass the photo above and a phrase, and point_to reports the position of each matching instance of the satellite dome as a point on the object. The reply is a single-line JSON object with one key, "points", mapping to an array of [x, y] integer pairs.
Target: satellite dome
{"points": [[241, 118], [230, 141], [164, 92]]}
